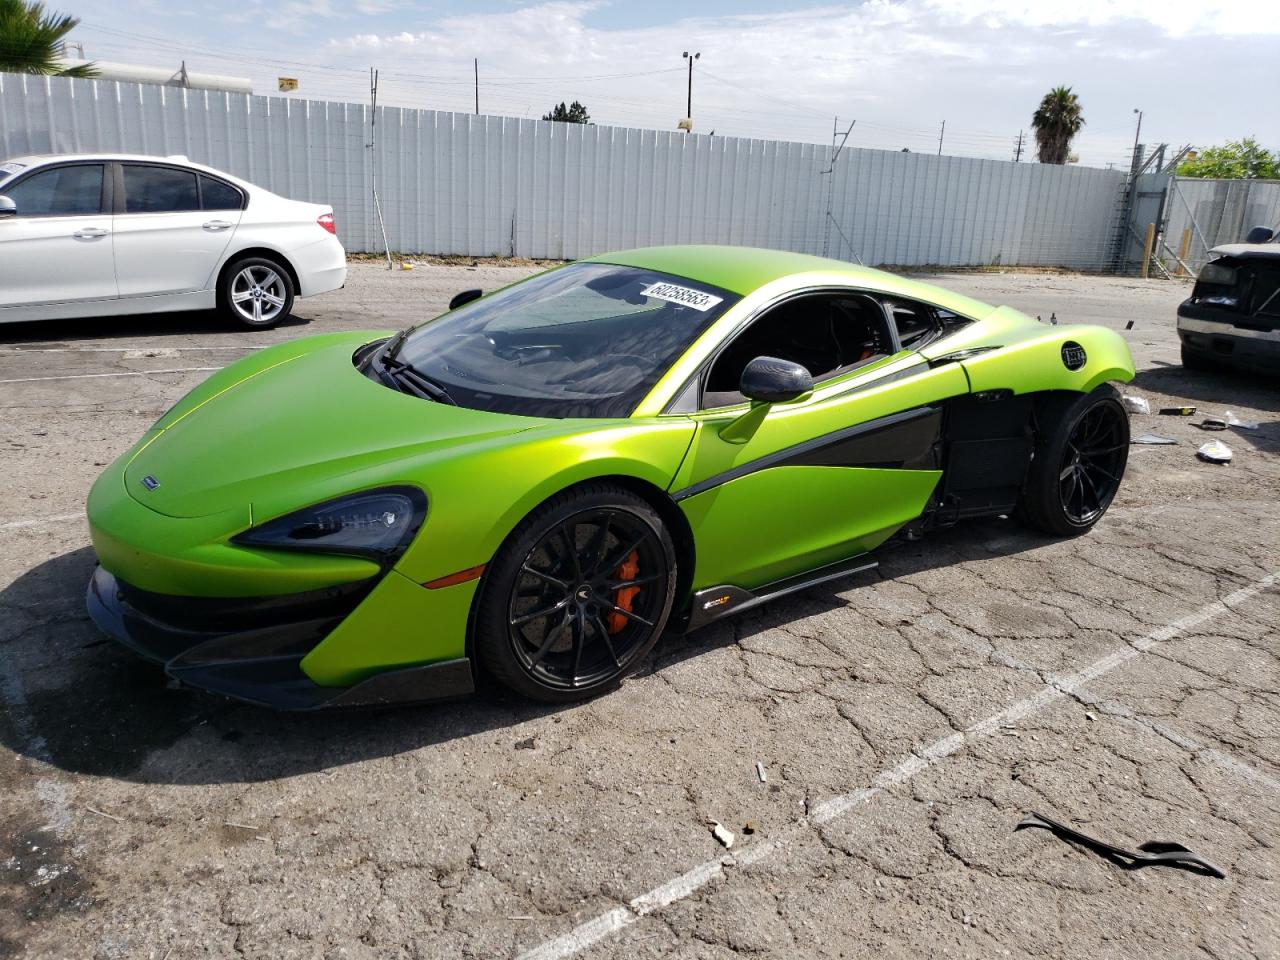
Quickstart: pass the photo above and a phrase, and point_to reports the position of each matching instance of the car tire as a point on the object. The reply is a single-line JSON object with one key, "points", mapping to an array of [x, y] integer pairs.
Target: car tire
{"points": [[1078, 463], [552, 622], [255, 292]]}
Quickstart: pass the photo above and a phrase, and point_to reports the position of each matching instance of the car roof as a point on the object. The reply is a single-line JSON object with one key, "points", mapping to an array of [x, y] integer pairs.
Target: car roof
{"points": [[742, 270]]}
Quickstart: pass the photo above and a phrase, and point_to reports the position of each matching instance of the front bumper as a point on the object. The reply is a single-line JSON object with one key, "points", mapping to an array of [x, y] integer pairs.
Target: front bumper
{"points": [[1215, 335], [252, 649]]}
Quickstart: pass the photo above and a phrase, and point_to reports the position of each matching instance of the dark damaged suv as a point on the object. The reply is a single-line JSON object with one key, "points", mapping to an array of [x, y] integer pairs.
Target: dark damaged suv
{"points": [[1232, 317]]}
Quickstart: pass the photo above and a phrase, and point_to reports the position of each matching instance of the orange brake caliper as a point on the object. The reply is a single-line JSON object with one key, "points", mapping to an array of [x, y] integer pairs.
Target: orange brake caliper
{"points": [[624, 596]]}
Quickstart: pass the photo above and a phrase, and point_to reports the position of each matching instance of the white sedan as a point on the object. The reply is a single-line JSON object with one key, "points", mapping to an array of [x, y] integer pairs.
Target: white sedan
{"points": [[101, 235]]}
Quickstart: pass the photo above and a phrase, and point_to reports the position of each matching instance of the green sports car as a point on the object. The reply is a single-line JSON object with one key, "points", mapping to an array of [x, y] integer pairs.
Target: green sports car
{"points": [[533, 486]]}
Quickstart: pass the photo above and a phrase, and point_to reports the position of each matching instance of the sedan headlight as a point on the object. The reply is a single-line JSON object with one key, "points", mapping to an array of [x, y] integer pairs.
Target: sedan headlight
{"points": [[376, 523]]}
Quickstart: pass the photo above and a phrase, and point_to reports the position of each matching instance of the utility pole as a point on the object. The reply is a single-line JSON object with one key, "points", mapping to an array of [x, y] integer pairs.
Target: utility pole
{"points": [[689, 105], [940, 135], [477, 64], [1017, 153], [1133, 165], [373, 159]]}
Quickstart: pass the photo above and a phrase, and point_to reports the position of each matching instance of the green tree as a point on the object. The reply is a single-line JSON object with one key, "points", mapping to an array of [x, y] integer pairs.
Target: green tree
{"points": [[573, 113], [29, 39], [1056, 121], [1237, 160]]}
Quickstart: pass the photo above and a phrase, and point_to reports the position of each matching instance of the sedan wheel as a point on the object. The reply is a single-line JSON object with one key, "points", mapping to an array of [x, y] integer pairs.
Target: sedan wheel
{"points": [[257, 293]]}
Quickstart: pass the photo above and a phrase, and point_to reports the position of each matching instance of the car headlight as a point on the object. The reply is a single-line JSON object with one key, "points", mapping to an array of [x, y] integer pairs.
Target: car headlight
{"points": [[1218, 273], [376, 523]]}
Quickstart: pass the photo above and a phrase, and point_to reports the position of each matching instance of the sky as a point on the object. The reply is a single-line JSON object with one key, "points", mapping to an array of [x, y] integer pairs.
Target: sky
{"points": [[1201, 71]]}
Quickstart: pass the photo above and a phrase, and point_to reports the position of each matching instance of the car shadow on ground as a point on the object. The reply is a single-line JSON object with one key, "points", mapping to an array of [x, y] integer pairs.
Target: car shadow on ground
{"points": [[75, 700], [1214, 393], [181, 323]]}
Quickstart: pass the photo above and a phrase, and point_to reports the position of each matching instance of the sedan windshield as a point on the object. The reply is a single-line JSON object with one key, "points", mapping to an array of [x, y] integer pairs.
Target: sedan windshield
{"points": [[586, 340]]}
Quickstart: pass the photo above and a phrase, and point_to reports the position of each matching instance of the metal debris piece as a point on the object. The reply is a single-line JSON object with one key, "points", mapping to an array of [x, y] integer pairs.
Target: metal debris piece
{"points": [[1215, 451], [749, 827], [1212, 423], [1129, 325], [1152, 439], [1151, 853], [764, 777], [1234, 421], [1177, 411], [1136, 404], [722, 833]]}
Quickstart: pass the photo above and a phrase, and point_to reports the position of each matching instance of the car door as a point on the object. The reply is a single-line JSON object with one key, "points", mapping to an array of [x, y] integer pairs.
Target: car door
{"points": [[166, 242], [56, 247], [799, 485]]}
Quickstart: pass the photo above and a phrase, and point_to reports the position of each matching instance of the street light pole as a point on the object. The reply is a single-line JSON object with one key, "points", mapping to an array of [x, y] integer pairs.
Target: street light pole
{"points": [[689, 105]]}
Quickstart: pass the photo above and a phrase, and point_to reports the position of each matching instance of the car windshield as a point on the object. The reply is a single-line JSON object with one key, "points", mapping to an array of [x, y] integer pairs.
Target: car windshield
{"points": [[586, 340]]}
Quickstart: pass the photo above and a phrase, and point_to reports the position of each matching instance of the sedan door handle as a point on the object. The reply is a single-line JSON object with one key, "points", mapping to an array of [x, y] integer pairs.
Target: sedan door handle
{"points": [[216, 225], [90, 233]]}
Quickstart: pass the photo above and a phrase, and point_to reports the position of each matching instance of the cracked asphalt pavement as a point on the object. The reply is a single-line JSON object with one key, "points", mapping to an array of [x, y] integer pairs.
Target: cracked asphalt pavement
{"points": [[1125, 682]]}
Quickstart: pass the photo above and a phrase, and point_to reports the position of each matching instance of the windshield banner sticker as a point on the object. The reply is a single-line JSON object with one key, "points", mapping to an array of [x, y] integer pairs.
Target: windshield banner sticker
{"points": [[685, 296]]}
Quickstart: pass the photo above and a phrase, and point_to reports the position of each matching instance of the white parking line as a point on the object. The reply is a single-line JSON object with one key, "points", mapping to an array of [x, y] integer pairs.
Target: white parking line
{"points": [[611, 921], [36, 521], [131, 373]]}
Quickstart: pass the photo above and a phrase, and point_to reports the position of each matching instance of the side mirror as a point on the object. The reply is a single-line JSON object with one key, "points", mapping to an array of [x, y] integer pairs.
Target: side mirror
{"points": [[1256, 235], [8, 208], [770, 380], [466, 296]]}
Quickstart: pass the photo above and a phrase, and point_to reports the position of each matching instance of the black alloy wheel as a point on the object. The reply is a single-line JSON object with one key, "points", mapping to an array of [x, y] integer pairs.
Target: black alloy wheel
{"points": [[1093, 464], [577, 596], [1082, 447]]}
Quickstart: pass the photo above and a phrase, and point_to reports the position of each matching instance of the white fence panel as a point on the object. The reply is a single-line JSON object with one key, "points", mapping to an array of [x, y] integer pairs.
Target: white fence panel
{"points": [[480, 185]]}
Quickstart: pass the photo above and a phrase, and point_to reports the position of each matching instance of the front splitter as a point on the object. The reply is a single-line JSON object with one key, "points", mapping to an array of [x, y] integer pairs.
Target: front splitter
{"points": [[225, 663]]}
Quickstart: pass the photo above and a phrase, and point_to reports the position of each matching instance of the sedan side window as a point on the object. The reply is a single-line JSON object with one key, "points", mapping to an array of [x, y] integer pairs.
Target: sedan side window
{"points": [[61, 192], [828, 334], [217, 195], [159, 190]]}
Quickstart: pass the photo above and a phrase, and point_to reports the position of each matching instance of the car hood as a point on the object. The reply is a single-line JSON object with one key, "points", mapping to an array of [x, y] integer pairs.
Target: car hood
{"points": [[288, 428]]}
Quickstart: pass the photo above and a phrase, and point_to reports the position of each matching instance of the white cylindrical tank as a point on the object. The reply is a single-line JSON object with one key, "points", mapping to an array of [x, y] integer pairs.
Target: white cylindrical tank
{"points": [[133, 73]]}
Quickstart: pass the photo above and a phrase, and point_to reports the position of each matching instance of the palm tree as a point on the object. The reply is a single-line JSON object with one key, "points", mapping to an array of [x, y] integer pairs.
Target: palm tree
{"points": [[29, 40], [1058, 119]]}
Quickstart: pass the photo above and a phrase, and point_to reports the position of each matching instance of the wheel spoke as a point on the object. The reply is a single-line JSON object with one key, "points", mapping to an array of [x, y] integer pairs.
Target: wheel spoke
{"points": [[623, 554], [600, 541], [545, 576], [608, 642], [257, 309], [538, 614], [273, 299], [579, 642], [549, 640], [611, 585], [630, 614], [571, 545], [241, 296]]}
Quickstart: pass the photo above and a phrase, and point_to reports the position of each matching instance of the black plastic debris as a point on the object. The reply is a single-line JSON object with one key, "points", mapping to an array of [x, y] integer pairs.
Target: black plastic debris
{"points": [[1212, 423], [1153, 853], [1177, 411]]}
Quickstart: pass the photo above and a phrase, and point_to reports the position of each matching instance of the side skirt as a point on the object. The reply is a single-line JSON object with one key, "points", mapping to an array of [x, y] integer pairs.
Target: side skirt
{"points": [[716, 603]]}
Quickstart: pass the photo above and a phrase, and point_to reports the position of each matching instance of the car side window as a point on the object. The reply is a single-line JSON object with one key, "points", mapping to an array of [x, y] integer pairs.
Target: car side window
{"points": [[828, 334], [68, 191], [159, 190], [218, 195], [918, 324]]}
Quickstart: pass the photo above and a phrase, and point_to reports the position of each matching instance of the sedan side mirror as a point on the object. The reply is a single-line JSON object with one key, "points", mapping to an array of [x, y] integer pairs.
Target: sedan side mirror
{"points": [[466, 296], [8, 208], [1256, 235], [770, 380]]}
